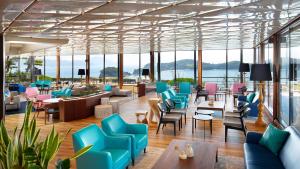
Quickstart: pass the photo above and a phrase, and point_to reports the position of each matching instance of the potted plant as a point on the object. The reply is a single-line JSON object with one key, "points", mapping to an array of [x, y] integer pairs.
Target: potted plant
{"points": [[24, 149]]}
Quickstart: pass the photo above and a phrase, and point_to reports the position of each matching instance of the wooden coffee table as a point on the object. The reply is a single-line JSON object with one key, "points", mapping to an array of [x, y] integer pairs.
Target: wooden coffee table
{"points": [[218, 105], [205, 156]]}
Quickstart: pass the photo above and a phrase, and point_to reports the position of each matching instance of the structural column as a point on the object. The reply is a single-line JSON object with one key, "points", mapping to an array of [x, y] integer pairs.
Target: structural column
{"points": [[121, 58], [276, 75], [158, 66], [2, 76], [152, 66], [200, 67], [87, 64], [57, 65], [242, 61], [195, 66]]}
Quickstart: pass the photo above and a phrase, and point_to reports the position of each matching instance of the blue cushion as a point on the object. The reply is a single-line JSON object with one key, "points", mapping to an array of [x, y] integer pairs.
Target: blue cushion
{"points": [[250, 97], [259, 157], [118, 156]]}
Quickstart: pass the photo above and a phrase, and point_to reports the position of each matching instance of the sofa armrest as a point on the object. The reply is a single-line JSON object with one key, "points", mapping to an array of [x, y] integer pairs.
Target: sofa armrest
{"points": [[137, 128], [122, 142], [242, 98], [253, 137], [95, 159]]}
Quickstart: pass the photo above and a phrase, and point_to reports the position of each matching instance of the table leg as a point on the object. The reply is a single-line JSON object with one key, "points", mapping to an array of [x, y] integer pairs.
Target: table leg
{"points": [[211, 127], [204, 129], [192, 125]]}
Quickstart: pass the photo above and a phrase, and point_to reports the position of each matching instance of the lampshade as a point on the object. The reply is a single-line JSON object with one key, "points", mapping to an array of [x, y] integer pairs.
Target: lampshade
{"points": [[81, 72], [145, 72], [244, 67], [260, 72]]}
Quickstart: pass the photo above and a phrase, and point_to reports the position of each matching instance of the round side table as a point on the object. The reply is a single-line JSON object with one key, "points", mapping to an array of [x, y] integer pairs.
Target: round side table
{"points": [[203, 118], [204, 112]]}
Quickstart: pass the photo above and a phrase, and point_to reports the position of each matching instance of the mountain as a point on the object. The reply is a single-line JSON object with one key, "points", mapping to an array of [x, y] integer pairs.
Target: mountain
{"points": [[112, 72], [189, 64]]}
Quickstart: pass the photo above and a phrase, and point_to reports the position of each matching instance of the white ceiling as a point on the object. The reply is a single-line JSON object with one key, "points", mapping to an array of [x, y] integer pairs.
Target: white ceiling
{"points": [[148, 24]]}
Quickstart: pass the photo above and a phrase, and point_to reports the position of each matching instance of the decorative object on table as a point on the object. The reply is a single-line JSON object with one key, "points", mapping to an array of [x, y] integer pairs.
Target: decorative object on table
{"points": [[243, 68], [189, 150], [145, 72], [35, 153], [211, 102], [81, 72], [181, 153], [260, 72]]}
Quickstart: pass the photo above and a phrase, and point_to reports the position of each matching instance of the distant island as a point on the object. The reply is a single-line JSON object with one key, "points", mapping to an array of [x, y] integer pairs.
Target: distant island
{"points": [[189, 64], [180, 65]]}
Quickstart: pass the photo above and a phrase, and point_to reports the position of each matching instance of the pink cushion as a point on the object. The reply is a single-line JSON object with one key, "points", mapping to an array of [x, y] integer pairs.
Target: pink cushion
{"points": [[31, 92], [43, 97]]}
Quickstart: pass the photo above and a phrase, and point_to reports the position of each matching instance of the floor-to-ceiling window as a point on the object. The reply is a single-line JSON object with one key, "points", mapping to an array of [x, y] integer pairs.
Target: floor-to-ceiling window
{"points": [[294, 66], [284, 80], [66, 64], [214, 67], [185, 65], [269, 84], [51, 63], [111, 68], [130, 68], [248, 57], [79, 63], [167, 65], [234, 61], [96, 65], [145, 63]]}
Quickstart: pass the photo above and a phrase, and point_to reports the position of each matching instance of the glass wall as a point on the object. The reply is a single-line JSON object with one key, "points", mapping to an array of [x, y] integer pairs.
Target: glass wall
{"points": [[96, 64], [167, 65], [79, 63], [66, 64], [130, 68], [269, 84], [214, 67], [145, 63], [248, 57], [234, 76], [111, 68], [185, 65], [284, 80], [50, 64]]}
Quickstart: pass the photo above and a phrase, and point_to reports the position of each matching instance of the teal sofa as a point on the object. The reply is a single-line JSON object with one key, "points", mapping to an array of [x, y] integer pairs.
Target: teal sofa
{"points": [[64, 92], [114, 125], [41, 83], [107, 152]]}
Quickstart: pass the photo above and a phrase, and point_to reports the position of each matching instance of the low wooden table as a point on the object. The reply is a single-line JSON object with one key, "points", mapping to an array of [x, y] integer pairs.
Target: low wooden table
{"points": [[205, 156], [218, 106]]}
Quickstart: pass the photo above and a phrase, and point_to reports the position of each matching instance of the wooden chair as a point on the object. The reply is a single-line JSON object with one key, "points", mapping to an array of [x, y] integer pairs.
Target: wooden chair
{"points": [[51, 109], [172, 110], [236, 122], [168, 118]]}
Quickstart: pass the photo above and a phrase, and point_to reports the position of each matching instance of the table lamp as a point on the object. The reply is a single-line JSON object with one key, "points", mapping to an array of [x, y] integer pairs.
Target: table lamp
{"points": [[145, 72], [244, 67], [260, 72], [81, 72]]}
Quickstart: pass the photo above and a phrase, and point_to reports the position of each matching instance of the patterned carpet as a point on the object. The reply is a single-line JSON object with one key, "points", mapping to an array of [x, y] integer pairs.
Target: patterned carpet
{"points": [[147, 161]]}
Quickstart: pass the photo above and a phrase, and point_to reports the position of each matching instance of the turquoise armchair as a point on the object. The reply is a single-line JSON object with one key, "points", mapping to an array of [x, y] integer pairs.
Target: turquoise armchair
{"points": [[107, 152], [185, 87], [161, 87], [185, 96], [180, 102], [114, 125]]}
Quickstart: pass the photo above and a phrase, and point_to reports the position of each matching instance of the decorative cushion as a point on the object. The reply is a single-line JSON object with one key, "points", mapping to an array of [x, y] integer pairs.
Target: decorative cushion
{"points": [[250, 97], [273, 139]]}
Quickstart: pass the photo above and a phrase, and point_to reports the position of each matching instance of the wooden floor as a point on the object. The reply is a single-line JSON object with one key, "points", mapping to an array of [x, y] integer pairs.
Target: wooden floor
{"points": [[233, 147]]}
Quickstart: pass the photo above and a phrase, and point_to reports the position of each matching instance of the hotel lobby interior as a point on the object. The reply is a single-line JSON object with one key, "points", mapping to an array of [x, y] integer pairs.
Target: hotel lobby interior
{"points": [[142, 84]]}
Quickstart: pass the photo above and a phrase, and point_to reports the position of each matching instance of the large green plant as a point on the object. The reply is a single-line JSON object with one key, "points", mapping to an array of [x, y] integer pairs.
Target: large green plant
{"points": [[25, 150]]}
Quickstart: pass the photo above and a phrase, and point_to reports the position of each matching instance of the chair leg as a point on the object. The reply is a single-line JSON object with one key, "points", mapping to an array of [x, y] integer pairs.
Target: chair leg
{"points": [[144, 150], [179, 126], [174, 128], [132, 162], [210, 126], [226, 130], [185, 118], [158, 127]]}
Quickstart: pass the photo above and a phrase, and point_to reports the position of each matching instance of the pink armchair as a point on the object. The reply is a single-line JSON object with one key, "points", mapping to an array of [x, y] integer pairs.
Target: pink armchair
{"points": [[33, 95], [235, 87], [211, 88]]}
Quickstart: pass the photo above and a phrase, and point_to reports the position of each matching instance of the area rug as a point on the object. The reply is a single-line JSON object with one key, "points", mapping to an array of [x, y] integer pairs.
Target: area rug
{"points": [[148, 160], [229, 162]]}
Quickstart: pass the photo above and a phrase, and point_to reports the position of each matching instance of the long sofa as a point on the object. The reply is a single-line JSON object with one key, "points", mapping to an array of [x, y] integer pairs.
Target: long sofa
{"points": [[259, 157]]}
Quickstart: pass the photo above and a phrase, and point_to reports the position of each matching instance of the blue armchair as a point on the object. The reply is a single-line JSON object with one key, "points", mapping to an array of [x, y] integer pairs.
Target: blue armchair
{"points": [[179, 101], [185, 87], [114, 125], [107, 152], [173, 93], [161, 87], [252, 103]]}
